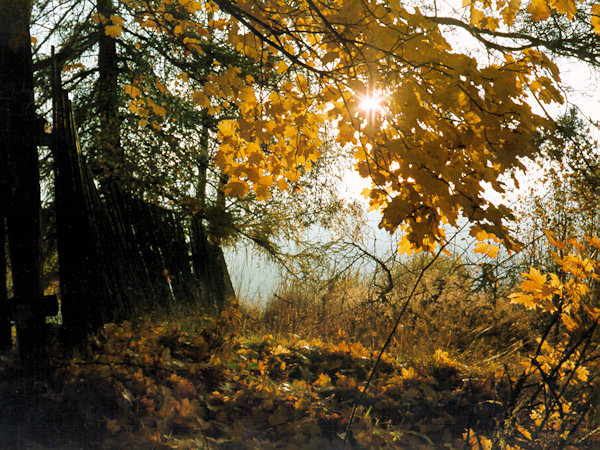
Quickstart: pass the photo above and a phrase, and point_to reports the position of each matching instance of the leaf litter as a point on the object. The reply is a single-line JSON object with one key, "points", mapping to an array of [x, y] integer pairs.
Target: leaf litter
{"points": [[160, 386]]}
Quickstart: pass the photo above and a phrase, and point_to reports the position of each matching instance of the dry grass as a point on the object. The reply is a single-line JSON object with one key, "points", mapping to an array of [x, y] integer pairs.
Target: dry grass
{"points": [[446, 313]]}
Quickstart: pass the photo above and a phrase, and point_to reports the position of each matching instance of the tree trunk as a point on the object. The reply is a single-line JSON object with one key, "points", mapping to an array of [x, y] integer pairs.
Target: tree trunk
{"points": [[210, 267], [5, 328], [207, 258], [109, 132], [20, 160]]}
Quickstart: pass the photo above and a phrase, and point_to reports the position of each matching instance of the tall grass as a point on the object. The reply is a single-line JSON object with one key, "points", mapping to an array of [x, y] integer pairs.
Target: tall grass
{"points": [[447, 313]]}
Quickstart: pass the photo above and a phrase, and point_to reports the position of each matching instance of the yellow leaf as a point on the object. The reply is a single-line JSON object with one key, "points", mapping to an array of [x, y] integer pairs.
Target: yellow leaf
{"points": [[113, 31], [582, 373], [539, 10], [323, 380], [161, 87], [329, 57], [524, 432], [481, 247], [247, 95], [596, 18], [406, 247], [201, 99], [226, 128], [302, 83], [569, 322], [477, 17], [159, 110], [535, 276], [527, 300], [116, 20], [552, 239], [282, 184], [237, 188], [34, 40], [178, 30], [492, 251], [132, 91]]}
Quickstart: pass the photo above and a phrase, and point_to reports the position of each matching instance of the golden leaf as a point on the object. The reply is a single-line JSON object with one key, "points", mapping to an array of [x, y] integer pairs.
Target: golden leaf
{"points": [[493, 250], [539, 10], [117, 20], [201, 99], [481, 247], [237, 188], [323, 380], [596, 18], [113, 30], [132, 91], [524, 432]]}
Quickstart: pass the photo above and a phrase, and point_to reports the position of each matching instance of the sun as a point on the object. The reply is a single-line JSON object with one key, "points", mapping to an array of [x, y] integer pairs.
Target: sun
{"points": [[371, 104]]}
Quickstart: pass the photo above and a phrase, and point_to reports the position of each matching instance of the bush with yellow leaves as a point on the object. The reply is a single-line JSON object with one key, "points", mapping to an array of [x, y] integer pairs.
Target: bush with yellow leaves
{"points": [[554, 399]]}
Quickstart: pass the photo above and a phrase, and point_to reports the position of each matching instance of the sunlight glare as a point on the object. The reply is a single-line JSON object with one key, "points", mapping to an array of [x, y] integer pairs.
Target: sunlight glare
{"points": [[371, 104]]}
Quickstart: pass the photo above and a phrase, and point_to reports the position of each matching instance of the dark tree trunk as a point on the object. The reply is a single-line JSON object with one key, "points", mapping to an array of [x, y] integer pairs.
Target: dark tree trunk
{"points": [[5, 329], [208, 259], [109, 133], [20, 161], [210, 267]]}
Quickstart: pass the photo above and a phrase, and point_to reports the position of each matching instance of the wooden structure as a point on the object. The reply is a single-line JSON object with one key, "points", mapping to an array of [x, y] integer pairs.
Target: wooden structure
{"points": [[119, 255]]}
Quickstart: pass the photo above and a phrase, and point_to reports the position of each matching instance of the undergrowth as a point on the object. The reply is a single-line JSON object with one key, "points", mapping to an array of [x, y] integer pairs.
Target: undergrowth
{"points": [[462, 372]]}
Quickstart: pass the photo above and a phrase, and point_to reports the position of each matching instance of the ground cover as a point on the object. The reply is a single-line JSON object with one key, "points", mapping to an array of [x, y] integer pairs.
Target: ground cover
{"points": [[202, 382]]}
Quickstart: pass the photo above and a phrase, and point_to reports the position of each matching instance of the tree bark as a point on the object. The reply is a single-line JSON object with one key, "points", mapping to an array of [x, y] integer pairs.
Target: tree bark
{"points": [[208, 260], [5, 328], [20, 164], [109, 132]]}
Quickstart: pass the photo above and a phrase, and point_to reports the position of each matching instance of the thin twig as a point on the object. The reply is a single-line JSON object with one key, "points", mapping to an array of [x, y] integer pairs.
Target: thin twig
{"points": [[391, 334]]}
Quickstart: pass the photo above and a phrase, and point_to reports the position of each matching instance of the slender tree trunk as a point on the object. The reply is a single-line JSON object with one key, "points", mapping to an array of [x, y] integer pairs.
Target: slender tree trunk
{"points": [[18, 147], [203, 167], [208, 260], [109, 133], [5, 328]]}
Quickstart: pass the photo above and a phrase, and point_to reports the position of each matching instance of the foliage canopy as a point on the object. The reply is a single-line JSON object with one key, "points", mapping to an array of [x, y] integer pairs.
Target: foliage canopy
{"points": [[448, 122]]}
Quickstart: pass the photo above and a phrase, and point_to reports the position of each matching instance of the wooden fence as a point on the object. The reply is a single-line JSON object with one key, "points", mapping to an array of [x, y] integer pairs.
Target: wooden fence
{"points": [[119, 255]]}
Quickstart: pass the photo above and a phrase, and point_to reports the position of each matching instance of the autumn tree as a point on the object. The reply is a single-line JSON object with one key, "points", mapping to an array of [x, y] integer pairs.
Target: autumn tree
{"points": [[447, 122], [260, 78], [167, 135]]}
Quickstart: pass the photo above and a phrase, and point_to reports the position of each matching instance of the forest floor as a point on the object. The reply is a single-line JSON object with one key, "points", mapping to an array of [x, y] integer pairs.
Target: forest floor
{"points": [[161, 385]]}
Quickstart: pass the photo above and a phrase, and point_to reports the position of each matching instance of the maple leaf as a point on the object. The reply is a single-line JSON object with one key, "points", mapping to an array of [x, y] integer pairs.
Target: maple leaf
{"points": [[113, 31], [117, 20], [493, 251], [201, 99], [595, 21], [237, 188], [481, 247], [527, 300], [539, 10], [534, 280], [322, 381], [132, 91]]}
